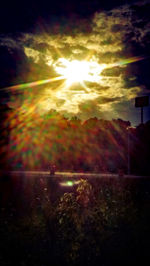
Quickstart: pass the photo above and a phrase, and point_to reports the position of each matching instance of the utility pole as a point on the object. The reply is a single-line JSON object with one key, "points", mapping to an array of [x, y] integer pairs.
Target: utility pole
{"points": [[142, 102], [129, 149], [141, 115], [128, 171]]}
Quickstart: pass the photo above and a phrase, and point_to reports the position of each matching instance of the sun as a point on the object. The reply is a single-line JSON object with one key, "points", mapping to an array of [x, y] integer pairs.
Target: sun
{"points": [[73, 71], [76, 71]]}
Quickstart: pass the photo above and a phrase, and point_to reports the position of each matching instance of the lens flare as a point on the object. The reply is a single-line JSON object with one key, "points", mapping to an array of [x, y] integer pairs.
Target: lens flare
{"points": [[37, 136], [32, 84], [75, 71], [129, 60], [68, 183], [78, 71]]}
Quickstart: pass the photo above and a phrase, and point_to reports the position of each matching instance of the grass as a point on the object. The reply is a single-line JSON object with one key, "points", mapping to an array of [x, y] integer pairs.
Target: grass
{"points": [[112, 230]]}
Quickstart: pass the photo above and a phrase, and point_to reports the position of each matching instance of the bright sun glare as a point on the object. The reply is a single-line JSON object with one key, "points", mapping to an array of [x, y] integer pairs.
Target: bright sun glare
{"points": [[79, 71]]}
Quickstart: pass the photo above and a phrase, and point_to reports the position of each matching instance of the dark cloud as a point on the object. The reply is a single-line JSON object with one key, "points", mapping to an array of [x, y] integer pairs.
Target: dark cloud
{"points": [[104, 100], [89, 109], [12, 60], [117, 28], [114, 71], [96, 86], [42, 47], [25, 15], [109, 36]]}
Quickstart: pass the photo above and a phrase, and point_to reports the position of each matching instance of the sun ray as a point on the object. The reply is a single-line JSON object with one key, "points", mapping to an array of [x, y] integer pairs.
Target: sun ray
{"points": [[129, 60], [76, 71], [73, 75], [32, 84]]}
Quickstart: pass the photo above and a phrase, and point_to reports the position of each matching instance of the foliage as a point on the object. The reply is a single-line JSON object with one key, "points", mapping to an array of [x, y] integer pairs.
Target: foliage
{"points": [[96, 145], [86, 222], [101, 221], [109, 226]]}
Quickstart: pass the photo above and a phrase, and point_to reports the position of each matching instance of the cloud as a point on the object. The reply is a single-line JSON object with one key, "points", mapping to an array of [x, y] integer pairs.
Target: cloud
{"points": [[112, 37], [113, 72]]}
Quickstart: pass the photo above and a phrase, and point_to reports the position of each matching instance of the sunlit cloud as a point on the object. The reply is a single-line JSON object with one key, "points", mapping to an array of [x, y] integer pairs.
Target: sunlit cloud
{"points": [[83, 67], [79, 71]]}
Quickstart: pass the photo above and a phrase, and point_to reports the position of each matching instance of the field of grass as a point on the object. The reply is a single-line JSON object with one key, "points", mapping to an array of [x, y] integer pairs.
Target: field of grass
{"points": [[99, 222]]}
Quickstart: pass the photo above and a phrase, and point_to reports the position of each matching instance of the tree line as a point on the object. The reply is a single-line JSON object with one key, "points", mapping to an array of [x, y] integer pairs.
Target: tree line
{"points": [[31, 141]]}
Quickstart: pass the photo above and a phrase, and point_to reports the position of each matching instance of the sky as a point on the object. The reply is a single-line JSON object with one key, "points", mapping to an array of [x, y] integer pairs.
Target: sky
{"points": [[81, 58]]}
